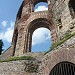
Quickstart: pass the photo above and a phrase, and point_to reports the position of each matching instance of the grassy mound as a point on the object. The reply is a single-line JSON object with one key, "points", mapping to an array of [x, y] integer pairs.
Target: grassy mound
{"points": [[17, 58]]}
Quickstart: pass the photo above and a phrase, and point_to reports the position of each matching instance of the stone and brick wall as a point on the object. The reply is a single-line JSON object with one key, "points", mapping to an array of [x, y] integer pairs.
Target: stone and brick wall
{"points": [[58, 11], [65, 52], [8, 53], [43, 66], [61, 16], [23, 67], [59, 20]]}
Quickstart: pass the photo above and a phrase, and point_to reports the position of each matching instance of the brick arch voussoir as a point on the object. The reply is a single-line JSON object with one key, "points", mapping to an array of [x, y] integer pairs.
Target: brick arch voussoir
{"points": [[34, 17], [51, 26]]}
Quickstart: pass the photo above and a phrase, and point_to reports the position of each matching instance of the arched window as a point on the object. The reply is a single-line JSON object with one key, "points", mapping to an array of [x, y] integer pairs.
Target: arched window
{"points": [[41, 40], [72, 8], [41, 6]]}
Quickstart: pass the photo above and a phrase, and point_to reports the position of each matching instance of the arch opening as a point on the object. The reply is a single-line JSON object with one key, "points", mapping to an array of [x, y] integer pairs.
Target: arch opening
{"points": [[72, 8], [33, 26], [63, 68], [15, 37], [41, 40], [41, 6], [38, 1]]}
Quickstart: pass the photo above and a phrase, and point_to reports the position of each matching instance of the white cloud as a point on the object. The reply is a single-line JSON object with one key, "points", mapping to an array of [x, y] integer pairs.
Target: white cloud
{"points": [[41, 8], [7, 36], [12, 24], [1, 35], [40, 36], [4, 23]]}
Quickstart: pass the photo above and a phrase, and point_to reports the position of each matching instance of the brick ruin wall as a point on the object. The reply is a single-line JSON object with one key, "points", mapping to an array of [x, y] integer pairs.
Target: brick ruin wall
{"points": [[62, 17], [65, 52], [60, 11], [8, 53]]}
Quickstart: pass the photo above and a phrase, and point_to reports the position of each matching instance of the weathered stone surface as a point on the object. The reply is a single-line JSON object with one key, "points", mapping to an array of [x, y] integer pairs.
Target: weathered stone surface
{"points": [[23, 67], [59, 19], [27, 22], [8, 53], [65, 52], [42, 66]]}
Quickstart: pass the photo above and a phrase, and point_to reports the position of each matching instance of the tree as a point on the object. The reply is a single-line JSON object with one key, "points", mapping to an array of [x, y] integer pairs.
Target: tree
{"points": [[1, 46]]}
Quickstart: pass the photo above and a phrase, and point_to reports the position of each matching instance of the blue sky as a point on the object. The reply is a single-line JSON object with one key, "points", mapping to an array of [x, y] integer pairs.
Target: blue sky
{"points": [[8, 11]]}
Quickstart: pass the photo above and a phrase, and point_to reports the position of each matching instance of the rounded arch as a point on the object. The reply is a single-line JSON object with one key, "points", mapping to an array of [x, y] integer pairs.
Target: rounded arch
{"points": [[33, 25], [41, 6], [42, 42], [63, 68], [40, 22], [37, 1]]}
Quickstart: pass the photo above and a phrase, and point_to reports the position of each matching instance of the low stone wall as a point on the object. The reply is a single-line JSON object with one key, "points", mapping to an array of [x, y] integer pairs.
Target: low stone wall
{"points": [[36, 55], [8, 53], [21, 67]]}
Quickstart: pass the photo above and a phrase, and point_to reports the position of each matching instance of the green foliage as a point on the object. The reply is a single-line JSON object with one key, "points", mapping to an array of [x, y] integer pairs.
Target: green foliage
{"points": [[17, 58], [66, 37], [1, 46]]}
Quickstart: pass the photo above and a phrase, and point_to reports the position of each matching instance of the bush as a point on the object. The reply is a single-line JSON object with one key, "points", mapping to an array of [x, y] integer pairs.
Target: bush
{"points": [[1, 46]]}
